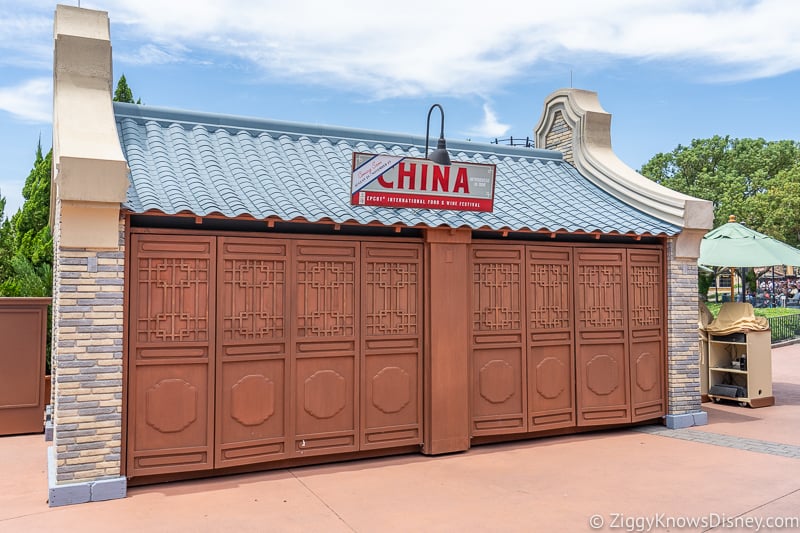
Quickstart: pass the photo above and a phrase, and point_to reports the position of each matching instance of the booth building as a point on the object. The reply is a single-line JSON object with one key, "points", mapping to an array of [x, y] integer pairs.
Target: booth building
{"points": [[221, 304]]}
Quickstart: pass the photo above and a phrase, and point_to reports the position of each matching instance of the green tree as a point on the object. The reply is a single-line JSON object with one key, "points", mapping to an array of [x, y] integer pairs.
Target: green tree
{"points": [[124, 93], [27, 246], [6, 242], [777, 211], [31, 222], [756, 180]]}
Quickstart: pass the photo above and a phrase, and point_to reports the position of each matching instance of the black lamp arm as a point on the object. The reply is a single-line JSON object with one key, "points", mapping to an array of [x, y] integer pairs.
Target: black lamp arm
{"points": [[428, 127]]}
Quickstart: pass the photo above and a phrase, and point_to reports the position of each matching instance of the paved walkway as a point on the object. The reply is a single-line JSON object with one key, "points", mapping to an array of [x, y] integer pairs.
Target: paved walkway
{"points": [[729, 441], [649, 479]]}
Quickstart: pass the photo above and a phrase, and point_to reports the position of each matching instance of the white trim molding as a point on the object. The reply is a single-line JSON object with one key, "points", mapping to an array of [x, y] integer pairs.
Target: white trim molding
{"points": [[590, 128]]}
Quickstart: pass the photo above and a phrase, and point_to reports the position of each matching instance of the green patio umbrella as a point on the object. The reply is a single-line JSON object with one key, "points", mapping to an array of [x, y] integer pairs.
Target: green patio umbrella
{"points": [[735, 245]]}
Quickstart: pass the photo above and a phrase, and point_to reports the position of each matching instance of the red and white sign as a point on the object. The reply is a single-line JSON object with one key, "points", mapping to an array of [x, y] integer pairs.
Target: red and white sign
{"points": [[395, 181]]}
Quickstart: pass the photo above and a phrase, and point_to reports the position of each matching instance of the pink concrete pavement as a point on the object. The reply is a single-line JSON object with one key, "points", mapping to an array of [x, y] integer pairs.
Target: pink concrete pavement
{"points": [[551, 484]]}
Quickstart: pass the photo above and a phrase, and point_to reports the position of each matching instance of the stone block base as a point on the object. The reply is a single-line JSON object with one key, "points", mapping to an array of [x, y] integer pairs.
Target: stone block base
{"points": [[48, 423], [82, 492], [698, 418]]}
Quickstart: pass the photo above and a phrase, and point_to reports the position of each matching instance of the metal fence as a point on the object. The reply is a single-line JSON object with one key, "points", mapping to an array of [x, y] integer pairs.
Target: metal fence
{"points": [[784, 327]]}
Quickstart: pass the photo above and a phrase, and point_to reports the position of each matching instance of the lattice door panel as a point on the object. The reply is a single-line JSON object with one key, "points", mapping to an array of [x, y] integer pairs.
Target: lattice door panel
{"points": [[647, 316], [391, 344], [171, 362], [499, 391], [603, 387], [551, 350], [252, 419], [325, 367]]}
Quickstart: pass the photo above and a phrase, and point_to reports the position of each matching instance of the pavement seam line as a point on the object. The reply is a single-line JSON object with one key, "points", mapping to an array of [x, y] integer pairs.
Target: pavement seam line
{"points": [[757, 507], [323, 502], [728, 441]]}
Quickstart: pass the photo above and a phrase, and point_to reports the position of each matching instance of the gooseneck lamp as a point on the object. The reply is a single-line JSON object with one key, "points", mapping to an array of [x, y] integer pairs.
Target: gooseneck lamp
{"points": [[440, 155]]}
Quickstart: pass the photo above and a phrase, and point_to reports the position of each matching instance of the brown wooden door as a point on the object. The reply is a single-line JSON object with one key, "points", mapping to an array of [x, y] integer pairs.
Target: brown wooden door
{"points": [[249, 350], [646, 322], [603, 387], [325, 366], [391, 345], [551, 349], [23, 334], [171, 361], [253, 351], [498, 366]]}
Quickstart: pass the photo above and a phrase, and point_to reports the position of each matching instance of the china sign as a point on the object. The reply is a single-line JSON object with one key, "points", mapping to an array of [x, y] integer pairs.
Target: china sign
{"points": [[396, 181]]}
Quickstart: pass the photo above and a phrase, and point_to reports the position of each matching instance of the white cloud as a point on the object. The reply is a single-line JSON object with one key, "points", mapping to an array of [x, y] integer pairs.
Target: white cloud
{"points": [[490, 128], [384, 49], [26, 35], [152, 54], [30, 101]]}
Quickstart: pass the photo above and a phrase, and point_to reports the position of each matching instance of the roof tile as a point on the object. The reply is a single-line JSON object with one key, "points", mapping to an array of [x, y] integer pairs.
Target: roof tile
{"points": [[202, 163]]}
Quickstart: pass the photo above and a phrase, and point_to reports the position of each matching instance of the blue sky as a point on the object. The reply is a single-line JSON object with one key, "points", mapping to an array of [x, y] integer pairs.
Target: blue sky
{"points": [[667, 71]]}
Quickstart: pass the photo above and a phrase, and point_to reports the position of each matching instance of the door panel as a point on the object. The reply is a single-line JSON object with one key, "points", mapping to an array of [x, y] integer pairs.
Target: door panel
{"points": [[551, 351], [252, 365], [498, 366], [602, 384], [498, 405], [23, 334], [391, 402], [603, 387], [326, 329], [170, 407], [325, 398], [647, 311]]}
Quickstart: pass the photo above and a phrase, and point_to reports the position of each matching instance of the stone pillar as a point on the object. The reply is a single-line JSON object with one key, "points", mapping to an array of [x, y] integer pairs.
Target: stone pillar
{"points": [[87, 415], [683, 347], [90, 178]]}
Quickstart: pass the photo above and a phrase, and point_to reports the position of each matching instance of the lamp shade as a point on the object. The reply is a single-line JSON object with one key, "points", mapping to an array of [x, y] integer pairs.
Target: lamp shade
{"points": [[440, 155]]}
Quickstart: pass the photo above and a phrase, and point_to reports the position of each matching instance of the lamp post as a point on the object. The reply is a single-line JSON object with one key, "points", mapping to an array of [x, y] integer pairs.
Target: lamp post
{"points": [[440, 155]]}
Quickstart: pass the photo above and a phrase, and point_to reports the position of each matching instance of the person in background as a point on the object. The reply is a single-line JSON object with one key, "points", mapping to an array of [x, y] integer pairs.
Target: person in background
{"points": [[749, 298], [780, 300]]}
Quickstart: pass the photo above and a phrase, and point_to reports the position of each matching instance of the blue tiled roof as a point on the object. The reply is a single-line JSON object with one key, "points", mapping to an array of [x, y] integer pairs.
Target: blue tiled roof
{"points": [[187, 162]]}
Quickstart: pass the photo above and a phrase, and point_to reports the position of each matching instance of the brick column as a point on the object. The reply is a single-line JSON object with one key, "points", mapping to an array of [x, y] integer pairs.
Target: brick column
{"points": [[90, 179], [683, 348], [87, 373]]}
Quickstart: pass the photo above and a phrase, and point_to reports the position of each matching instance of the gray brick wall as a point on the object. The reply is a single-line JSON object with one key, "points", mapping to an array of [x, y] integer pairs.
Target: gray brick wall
{"points": [[560, 137], [87, 360], [683, 348]]}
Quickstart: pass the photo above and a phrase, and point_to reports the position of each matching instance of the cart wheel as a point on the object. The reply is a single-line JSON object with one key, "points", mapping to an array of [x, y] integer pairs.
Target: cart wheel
{"points": [[715, 400], [743, 404]]}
